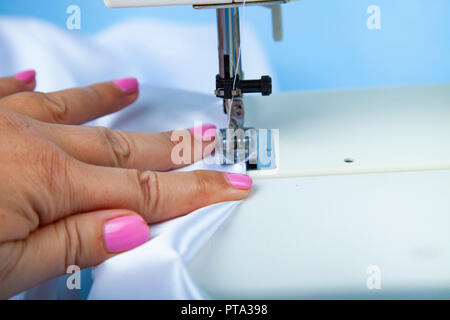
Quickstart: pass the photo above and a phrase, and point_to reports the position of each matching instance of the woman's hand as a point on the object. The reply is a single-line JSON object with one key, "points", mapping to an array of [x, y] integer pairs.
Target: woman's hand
{"points": [[77, 195]]}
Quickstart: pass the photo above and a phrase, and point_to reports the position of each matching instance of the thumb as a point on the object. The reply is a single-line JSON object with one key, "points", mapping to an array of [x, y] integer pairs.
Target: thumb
{"points": [[83, 240]]}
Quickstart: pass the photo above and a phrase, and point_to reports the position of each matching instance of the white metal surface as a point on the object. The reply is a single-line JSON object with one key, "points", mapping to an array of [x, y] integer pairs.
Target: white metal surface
{"points": [[315, 227]]}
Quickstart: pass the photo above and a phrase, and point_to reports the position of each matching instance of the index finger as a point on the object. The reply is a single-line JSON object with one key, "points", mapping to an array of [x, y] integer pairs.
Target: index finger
{"points": [[75, 106]]}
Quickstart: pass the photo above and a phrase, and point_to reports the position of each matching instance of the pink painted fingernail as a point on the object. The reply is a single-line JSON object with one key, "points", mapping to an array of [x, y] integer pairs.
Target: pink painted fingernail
{"points": [[127, 85], [26, 76], [205, 132], [239, 181], [125, 233]]}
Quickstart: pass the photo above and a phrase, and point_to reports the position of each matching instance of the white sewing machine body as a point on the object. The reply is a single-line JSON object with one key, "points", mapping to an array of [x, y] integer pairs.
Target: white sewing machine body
{"points": [[358, 206], [360, 200]]}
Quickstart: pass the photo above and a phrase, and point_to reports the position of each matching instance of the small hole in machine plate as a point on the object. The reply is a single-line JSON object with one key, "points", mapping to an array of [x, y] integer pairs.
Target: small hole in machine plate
{"points": [[349, 160]]}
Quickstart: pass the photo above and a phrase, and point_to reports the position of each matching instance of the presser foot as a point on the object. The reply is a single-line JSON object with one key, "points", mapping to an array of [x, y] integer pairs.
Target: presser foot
{"points": [[255, 147]]}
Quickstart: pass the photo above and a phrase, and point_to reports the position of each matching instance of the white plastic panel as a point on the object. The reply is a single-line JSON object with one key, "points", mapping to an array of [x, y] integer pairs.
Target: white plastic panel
{"points": [[314, 227], [315, 237], [381, 130]]}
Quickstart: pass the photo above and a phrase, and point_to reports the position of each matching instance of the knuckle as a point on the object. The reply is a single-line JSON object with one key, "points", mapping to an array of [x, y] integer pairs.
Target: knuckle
{"points": [[53, 167], [52, 170], [149, 186], [69, 231], [14, 251], [94, 93], [56, 106], [119, 146], [170, 144], [200, 183], [13, 120]]}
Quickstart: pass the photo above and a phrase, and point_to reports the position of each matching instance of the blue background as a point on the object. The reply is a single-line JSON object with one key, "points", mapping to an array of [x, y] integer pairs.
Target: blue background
{"points": [[326, 43]]}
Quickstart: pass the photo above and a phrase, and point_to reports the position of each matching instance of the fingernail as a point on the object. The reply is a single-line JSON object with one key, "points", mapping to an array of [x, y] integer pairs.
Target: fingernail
{"points": [[125, 233], [205, 132], [26, 76], [127, 85], [239, 181]]}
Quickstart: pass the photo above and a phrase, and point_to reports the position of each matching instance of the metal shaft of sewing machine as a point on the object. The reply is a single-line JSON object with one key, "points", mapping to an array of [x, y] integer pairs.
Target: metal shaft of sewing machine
{"points": [[238, 144], [230, 63], [230, 84]]}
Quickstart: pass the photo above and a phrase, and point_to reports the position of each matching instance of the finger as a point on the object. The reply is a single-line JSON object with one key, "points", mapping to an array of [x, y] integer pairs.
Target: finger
{"points": [[75, 106], [83, 240], [140, 150], [157, 196], [22, 81]]}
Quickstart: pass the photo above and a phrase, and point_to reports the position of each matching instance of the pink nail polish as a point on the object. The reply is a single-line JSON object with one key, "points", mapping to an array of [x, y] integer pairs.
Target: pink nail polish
{"points": [[26, 76], [205, 132], [239, 181], [125, 233], [127, 85]]}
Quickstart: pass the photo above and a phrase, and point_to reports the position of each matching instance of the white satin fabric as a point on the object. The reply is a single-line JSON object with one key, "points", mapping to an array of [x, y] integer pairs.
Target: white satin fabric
{"points": [[156, 270], [160, 54]]}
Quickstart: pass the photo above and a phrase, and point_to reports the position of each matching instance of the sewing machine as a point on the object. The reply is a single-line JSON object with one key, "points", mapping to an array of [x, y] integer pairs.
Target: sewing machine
{"points": [[355, 201], [237, 143]]}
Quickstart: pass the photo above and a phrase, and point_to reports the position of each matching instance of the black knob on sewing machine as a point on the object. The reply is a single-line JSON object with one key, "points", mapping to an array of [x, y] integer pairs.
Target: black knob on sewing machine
{"points": [[231, 87], [263, 85]]}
